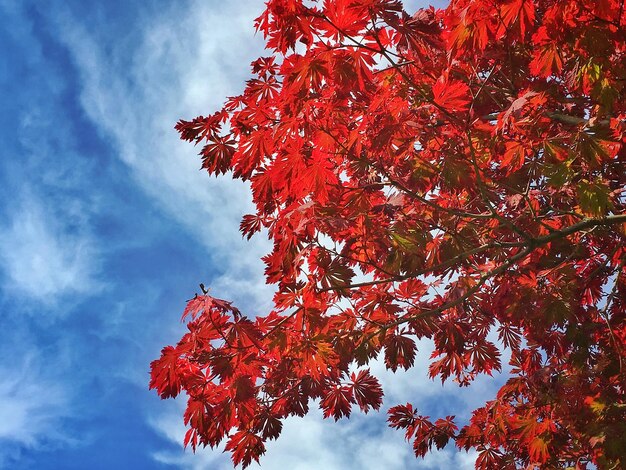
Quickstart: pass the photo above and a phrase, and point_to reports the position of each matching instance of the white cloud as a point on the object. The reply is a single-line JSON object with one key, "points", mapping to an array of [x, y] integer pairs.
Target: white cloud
{"points": [[32, 409], [27, 407], [310, 443], [46, 251], [416, 387], [187, 61], [45, 257]]}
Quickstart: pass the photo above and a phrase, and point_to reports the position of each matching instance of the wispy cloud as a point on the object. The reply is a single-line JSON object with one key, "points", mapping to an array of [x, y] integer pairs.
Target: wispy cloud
{"points": [[44, 257], [32, 407], [136, 93], [46, 248], [27, 407]]}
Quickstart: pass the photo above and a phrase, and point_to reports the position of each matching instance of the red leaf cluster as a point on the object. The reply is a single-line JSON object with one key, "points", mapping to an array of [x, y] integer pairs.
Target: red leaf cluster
{"points": [[439, 175]]}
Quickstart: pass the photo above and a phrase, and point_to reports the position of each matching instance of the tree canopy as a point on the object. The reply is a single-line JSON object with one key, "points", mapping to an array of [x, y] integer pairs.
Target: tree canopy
{"points": [[455, 174]]}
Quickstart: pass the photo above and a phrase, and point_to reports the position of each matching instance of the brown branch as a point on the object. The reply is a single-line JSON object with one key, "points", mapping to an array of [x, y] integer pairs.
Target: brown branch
{"points": [[555, 116], [531, 244], [481, 281], [451, 262], [482, 187], [430, 203], [535, 243]]}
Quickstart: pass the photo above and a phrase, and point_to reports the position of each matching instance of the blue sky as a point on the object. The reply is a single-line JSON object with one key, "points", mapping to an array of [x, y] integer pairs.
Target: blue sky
{"points": [[107, 227]]}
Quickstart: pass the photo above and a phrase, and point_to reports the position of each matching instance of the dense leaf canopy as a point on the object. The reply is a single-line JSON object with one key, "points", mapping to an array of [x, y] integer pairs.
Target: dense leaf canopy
{"points": [[456, 174]]}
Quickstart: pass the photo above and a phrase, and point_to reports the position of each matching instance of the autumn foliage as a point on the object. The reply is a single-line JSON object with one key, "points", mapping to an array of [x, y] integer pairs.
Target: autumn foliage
{"points": [[457, 175]]}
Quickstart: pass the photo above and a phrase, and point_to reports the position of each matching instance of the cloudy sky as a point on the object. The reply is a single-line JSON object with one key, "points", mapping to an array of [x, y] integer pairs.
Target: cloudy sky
{"points": [[107, 227]]}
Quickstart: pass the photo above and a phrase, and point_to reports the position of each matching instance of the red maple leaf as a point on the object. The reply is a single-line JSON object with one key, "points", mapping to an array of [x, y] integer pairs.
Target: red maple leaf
{"points": [[367, 390], [395, 214]]}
